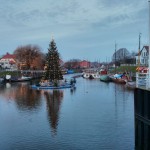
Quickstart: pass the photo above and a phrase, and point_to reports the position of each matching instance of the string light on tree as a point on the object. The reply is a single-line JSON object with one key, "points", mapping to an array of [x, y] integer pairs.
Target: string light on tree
{"points": [[53, 70]]}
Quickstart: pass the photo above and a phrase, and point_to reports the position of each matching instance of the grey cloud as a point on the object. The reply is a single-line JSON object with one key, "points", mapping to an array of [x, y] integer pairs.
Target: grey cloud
{"points": [[70, 20]]}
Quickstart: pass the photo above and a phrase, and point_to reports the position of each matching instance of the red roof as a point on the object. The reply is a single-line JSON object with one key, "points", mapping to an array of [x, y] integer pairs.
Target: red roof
{"points": [[8, 56]]}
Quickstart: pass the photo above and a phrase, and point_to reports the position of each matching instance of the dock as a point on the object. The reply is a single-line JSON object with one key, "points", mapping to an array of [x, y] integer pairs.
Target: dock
{"points": [[142, 111]]}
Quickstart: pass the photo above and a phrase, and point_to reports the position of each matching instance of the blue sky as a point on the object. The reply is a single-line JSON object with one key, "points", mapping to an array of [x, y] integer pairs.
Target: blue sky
{"points": [[83, 29]]}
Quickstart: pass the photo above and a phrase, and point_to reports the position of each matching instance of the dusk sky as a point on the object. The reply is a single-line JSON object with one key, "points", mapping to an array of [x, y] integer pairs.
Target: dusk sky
{"points": [[83, 29]]}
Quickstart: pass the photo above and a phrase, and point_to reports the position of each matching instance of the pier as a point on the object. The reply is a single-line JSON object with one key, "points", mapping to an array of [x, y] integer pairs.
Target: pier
{"points": [[142, 112], [142, 91], [142, 104]]}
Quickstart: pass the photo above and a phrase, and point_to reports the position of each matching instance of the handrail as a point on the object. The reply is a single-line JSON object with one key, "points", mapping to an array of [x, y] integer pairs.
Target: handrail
{"points": [[142, 80]]}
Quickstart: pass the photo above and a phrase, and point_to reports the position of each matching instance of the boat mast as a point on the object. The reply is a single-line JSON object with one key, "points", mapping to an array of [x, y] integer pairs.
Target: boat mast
{"points": [[115, 56]]}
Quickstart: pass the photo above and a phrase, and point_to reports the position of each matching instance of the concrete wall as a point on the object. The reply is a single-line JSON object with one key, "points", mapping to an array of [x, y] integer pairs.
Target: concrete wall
{"points": [[142, 119]]}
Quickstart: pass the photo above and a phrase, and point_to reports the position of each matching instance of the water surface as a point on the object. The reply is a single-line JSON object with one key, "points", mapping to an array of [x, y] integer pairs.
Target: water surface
{"points": [[95, 115]]}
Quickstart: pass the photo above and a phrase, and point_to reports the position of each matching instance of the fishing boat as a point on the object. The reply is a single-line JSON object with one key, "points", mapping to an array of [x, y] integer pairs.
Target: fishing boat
{"points": [[87, 75], [118, 78], [104, 75], [91, 74], [105, 78], [94, 76], [121, 81]]}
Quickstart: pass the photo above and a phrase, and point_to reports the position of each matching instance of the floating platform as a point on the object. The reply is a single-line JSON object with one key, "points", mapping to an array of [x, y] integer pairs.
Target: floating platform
{"points": [[38, 87]]}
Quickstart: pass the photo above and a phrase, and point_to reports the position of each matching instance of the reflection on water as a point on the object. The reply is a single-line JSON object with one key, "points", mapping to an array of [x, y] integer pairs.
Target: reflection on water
{"points": [[53, 99], [22, 94], [142, 135], [73, 90], [94, 115], [28, 99]]}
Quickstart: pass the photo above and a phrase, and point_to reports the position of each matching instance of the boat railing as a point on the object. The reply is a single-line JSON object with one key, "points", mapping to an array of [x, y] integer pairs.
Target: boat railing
{"points": [[142, 80]]}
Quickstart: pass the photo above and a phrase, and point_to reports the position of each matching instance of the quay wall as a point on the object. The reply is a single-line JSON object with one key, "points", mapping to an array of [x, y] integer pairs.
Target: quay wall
{"points": [[142, 118], [142, 104]]}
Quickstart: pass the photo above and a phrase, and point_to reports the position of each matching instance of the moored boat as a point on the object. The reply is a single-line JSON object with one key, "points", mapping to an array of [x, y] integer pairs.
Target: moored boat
{"points": [[122, 81], [53, 87], [20, 79], [95, 75], [105, 78], [131, 84], [92, 75], [86, 75], [119, 78]]}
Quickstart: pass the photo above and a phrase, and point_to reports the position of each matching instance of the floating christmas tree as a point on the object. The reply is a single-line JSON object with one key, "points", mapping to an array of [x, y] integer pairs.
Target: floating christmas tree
{"points": [[52, 67]]}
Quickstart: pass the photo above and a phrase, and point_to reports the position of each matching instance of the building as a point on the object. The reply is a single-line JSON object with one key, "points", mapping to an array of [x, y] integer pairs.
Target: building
{"points": [[142, 56], [85, 64], [8, 61]]}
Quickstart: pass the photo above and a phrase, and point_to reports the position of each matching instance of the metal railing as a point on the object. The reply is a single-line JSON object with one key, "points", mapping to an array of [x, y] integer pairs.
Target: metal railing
{"points": [[142, 80]]}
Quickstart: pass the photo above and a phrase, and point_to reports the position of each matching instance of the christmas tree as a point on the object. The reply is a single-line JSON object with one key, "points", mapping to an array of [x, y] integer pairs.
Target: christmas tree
{"points": [[52, 67]]}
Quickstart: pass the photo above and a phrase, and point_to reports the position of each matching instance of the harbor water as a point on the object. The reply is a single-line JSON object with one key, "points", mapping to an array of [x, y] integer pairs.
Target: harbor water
{"points": [[94, 115]]}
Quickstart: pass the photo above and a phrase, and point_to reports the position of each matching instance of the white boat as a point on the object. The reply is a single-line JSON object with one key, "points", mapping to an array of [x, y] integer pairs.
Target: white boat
{"points": [[131, 84], [95, 75], [88, 75]]}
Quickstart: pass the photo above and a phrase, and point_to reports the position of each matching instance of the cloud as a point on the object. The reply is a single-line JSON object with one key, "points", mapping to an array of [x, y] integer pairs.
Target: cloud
{"points": [[35, 21], [37, 13]]}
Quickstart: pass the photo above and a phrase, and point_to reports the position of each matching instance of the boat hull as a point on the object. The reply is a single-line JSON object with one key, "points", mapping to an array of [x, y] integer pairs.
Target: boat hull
{"points": [[91, 76], [52, 87], [20, 79], [105, 78], [131, 85], [118, 80]]}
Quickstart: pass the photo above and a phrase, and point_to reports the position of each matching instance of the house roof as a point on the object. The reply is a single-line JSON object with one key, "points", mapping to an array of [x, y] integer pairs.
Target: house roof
{"points": [[147, 49], [8, 56]]}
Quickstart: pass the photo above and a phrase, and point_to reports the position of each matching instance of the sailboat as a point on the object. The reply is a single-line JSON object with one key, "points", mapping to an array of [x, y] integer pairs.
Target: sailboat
{"points": [[118, 78]]}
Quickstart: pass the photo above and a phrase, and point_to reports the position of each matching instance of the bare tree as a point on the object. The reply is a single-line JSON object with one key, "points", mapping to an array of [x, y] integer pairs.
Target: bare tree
{"points": [[28, 56], [72, 64]]}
